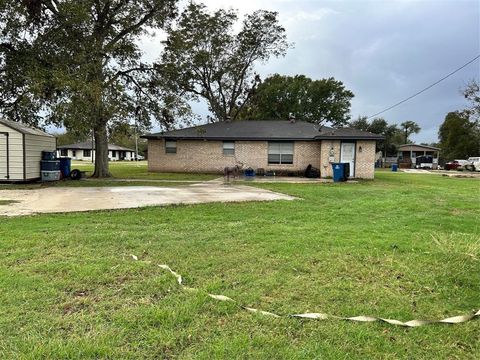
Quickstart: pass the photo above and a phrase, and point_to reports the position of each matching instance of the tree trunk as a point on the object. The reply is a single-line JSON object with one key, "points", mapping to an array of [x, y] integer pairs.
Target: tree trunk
{"points": [[101, 152]]}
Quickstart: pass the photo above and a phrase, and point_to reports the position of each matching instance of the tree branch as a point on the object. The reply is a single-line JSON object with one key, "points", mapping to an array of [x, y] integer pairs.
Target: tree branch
{"points": [[133, 27], [127, 72]]}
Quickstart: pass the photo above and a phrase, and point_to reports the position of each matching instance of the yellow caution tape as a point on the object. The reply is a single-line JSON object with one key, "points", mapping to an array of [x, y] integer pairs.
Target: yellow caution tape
{"points": [[322, 316]]}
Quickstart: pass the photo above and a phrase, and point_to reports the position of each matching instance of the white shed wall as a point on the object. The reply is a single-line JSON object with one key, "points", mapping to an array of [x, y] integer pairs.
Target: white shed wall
{"points": [[15, 151], [34, 145]]}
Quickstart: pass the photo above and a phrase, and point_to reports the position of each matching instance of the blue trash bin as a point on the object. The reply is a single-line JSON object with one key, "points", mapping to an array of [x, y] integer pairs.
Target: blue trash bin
{"points": [[49, 155], [394, 167], [49, 165], [338, 172], [65, 166], [249, 173]]}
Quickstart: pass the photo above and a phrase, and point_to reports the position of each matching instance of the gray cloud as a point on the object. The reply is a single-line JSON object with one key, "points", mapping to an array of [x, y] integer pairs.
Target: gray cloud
{"points": [[383, 51]]}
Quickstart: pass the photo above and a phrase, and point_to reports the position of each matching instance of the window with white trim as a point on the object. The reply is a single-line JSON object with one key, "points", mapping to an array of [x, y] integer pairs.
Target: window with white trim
{"points": [[280, 152], [171, 147], [229, 148]]}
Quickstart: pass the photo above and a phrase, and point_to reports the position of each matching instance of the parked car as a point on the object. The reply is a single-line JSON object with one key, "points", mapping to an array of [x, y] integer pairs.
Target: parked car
{"points": [[424, 162], [456, 164], [474, 163], [138, 158]]}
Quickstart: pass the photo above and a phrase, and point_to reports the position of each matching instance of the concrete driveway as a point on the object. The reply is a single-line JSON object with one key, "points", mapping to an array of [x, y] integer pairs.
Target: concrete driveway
{"points": [[69, 199]]}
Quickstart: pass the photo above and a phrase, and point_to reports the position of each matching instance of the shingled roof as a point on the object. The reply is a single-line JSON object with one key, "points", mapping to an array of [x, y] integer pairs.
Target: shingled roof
{"points": [[264, 130], [87, 145]]}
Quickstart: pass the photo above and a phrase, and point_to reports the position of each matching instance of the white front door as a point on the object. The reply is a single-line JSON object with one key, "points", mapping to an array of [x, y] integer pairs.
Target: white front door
{"points": [[3, 157], [347, 155]]}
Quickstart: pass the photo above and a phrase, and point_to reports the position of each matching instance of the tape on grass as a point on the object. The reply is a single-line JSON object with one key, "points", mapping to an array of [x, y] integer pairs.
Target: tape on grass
{"points": [[322, 316]]}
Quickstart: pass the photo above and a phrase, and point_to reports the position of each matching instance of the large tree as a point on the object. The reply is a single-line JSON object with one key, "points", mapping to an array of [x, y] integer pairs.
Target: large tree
{"points": [[317, 101], [459, 137], [409, 128], [205, 58], [77, 64], [471, 92]]}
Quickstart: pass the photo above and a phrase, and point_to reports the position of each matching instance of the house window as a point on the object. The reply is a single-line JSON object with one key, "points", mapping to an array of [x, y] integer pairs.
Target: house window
{"points": [[114, 153], [63, 152], [170, 147], [87, 153], [74, 153], [280, 152], [229, 148]]}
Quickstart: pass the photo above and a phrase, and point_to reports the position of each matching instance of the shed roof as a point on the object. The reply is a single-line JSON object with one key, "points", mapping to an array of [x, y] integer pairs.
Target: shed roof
{"points": [[22, 128], [87, 145], [264, 130]]}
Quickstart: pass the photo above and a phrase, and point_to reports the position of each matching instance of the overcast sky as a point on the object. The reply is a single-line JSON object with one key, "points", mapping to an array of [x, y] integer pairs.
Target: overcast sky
{"points": [[384, 51]]}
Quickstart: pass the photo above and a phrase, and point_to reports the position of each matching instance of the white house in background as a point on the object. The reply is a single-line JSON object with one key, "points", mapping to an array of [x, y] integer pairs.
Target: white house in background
{"points": [[85, 151], [21, 150]]}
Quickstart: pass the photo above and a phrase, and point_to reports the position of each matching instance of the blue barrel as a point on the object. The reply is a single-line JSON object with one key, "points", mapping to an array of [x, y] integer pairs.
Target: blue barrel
{"points": [[65, 166], [338, 172], [394, 167], [50, 165], [49, 155], [249, 172]]}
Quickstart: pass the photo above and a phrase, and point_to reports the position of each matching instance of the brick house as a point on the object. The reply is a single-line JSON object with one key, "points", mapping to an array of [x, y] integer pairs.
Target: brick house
{"points": [[282, 146]]}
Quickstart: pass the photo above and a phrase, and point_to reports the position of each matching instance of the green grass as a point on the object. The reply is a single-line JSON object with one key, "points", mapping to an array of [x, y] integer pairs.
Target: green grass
{"points": [[120, 170], [403, 246], [7, 202], [139, 170]]}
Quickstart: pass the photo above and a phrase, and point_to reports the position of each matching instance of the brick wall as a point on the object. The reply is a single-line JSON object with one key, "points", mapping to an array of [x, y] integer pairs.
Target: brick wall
{"points": [[330, 149], [207, 156], [364, 159]]}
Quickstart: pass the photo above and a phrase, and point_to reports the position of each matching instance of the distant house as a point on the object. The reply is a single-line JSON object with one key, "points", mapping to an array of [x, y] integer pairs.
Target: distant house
{"points": [[86, 151], [21, 149], [414, 155], [275, 146]]}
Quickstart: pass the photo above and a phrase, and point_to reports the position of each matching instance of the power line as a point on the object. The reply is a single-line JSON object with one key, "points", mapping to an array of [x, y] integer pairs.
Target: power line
{"points": [[425, 89]]}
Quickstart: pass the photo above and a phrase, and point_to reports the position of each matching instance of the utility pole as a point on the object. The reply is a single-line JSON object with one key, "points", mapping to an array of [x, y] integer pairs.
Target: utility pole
{"points": [[136, 140], [137, 120]]}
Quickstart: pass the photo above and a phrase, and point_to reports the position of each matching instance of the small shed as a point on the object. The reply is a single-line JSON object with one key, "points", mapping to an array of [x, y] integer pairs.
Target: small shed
{"points": [[21, 150]]}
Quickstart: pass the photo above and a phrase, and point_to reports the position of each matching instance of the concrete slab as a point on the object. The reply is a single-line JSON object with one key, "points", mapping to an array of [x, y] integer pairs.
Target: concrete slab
{"points": [[54, 200]]}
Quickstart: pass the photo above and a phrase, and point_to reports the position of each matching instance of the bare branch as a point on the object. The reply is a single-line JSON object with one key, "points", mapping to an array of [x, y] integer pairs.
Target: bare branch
{"points": [[134, 27]]}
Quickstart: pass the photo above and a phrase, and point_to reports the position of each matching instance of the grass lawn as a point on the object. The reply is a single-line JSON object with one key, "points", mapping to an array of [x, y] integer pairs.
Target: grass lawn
{"points": [[7, 202], [121, 170], [139, 170], [403, 246]]}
